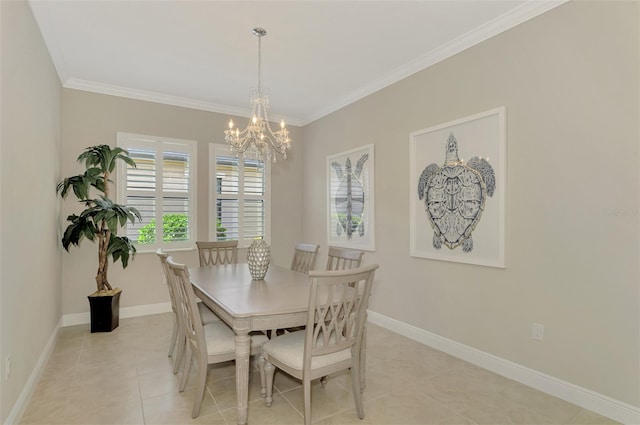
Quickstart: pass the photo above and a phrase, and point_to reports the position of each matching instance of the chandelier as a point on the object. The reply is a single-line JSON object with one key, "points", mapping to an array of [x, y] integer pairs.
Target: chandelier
{"points": [[258, 136]]}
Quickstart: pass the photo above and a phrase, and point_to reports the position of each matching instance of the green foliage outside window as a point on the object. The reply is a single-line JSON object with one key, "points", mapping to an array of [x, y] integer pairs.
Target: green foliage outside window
{"points": [[174, 228]]}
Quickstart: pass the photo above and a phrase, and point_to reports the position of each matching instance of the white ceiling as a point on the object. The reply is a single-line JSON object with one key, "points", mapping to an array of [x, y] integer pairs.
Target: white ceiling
{"points": [[318, 56]]}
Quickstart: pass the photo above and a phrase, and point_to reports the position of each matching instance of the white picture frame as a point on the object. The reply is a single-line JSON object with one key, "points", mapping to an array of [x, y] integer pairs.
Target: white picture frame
{"points": [[357, 230], [437, 208]]}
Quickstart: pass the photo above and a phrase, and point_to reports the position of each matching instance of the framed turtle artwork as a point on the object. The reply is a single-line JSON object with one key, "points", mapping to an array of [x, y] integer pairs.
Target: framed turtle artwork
{"points": [[457, 190], [350, 199]]}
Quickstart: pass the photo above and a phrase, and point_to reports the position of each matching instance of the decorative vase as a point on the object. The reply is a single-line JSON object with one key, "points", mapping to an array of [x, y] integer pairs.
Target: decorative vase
{"points": [[258, 257]]}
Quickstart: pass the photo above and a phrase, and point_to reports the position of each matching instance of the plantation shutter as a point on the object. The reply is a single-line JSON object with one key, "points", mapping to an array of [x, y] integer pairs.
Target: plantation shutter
{"points": [[162, 187], [240, 196], [141, 193], [175, 200]]}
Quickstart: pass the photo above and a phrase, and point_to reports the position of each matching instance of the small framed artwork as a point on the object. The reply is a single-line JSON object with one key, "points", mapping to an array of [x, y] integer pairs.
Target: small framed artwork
{"points": [[350, 199], [458, 181]]}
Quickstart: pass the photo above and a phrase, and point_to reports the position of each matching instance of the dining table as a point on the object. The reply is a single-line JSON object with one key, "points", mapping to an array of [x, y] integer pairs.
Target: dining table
{"points": [[278, 301]]}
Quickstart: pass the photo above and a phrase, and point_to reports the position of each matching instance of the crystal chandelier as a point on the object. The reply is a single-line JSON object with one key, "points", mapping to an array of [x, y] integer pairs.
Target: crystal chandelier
{"points": [[258, 135]]}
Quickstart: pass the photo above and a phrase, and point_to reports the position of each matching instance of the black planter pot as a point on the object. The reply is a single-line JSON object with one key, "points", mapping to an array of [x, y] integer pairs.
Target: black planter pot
{"points": [[105, 312]]}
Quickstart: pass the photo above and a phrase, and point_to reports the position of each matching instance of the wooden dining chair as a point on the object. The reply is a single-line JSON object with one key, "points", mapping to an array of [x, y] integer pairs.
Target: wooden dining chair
{"points": [[333, 337], [304, 257], [205, 344], [217, 252], [206, 315], [343, 259]]}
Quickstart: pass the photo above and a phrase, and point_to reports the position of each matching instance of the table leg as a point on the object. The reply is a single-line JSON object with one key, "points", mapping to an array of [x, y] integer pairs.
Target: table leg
{"points": [[243, 352]]}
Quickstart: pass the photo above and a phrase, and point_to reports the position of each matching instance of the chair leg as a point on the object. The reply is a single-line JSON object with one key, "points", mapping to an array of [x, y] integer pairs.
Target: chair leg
{"points": [[263, 378], [306, 389], [174, 336], [356, 385], [180, 353], [187, 367], [363, 357], [202, 380], [269, 371]]}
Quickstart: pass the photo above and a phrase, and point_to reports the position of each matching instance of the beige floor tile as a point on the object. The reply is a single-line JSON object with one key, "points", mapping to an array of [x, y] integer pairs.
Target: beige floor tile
{"points": [[587, 417], [45, 410], [223, 370], [280, 413], [406, 383], [154, 384], [347, 417], [97, 393], [324, 401], [123, 414], [410, 409], [224, 391], [175, 408], [283, 382]]}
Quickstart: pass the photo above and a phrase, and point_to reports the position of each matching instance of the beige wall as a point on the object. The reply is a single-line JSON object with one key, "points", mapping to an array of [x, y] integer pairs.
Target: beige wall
{"points": [[30, 149], [569, 82], [90, 119]]}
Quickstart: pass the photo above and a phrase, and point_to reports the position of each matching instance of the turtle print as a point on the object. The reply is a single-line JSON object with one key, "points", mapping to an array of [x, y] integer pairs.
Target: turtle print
{"points": [[349, 197], [455, 196]]}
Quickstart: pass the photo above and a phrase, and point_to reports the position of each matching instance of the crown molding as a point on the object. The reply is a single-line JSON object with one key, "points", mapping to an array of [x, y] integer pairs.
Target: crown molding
{"points": [[508, 20], [149, 96]]}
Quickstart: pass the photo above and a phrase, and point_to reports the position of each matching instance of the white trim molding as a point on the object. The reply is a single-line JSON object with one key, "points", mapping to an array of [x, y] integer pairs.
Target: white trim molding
{"points": [[587, 399], [19, 407], [125, 312]]}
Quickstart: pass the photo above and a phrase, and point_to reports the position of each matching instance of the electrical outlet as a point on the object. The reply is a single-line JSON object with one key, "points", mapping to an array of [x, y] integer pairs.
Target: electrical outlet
{"points": [[7, 368], [537, 331]]}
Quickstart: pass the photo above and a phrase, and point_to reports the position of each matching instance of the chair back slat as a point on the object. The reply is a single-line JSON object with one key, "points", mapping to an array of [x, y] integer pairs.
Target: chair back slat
{"points": [[304, 257], [338, 303], [217, 252], [187, 306], [167, 277], [343, 259]]}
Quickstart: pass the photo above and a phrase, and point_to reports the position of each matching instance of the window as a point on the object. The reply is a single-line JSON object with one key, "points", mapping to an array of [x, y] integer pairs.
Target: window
{"points": [[239, 201], [162, 187]]}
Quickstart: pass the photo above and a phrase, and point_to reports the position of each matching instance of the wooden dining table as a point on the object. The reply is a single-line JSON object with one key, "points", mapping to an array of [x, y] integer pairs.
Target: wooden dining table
{"points": [[279, 301]]}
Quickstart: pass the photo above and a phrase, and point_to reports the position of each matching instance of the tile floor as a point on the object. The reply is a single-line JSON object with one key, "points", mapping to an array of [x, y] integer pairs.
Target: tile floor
{"points": [[124, 377]]}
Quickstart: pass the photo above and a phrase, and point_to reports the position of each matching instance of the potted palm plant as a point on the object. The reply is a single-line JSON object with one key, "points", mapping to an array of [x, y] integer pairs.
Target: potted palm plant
{"points": [[99, 222]]}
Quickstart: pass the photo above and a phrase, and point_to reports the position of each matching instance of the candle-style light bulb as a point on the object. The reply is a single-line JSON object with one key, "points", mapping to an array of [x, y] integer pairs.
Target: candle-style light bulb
{"points": [[282, 124], [254, 119], [230, 124]]}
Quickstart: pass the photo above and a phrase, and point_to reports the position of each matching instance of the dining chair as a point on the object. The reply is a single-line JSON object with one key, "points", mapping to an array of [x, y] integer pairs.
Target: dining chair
{"points": [[332, 340], [343, 259], [304, 257], [206, 344], [217, 252], [206, 315]]}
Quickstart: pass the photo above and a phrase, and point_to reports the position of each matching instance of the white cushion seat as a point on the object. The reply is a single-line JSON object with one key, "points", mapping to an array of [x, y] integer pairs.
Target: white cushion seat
{"points": [[289, 349]]}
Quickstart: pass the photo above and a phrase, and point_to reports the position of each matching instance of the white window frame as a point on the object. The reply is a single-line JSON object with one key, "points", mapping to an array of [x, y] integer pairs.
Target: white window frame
{"points": [[160, 145], [220, 149]]}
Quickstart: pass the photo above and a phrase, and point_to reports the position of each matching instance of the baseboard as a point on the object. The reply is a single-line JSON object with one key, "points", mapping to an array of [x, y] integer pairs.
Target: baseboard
{"points": [[15, 415], [125, 312], [601, 404]]}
